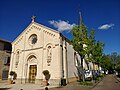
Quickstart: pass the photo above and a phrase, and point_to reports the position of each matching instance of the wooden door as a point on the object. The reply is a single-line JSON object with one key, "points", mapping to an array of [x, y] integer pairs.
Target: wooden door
{"points": [[32, 73]]}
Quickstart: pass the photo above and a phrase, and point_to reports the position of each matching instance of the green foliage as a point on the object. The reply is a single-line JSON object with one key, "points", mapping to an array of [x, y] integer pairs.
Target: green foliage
{"points": [[118, 67], [45, 72], [79, 39], [85, 44], [87, 83], [101, 75], [98, 78], [97, 51], [105, 62], [14, 74], [114, 60], [47, 75], [79, 42]]}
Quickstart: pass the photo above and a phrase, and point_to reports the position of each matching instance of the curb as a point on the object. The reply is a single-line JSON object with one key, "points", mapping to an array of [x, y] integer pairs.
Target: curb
{"points": [[98, 82], [117, 78]]}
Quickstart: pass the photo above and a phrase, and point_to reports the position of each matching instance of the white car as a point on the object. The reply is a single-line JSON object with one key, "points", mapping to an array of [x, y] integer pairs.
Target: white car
{"points": [[88, 74]]}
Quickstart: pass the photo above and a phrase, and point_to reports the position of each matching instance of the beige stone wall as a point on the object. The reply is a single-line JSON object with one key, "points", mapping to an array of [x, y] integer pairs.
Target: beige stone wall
{"points": [[45, 37], [71, 63]]}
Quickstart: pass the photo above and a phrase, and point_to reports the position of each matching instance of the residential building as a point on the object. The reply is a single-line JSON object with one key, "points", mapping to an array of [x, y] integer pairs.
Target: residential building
{"points": [[5, 53]]}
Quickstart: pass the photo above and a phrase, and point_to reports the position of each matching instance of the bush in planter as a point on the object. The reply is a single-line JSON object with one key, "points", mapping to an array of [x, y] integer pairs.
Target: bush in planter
{"points": [[13, 76], [47, 76], [45, 72], [12, 73]]}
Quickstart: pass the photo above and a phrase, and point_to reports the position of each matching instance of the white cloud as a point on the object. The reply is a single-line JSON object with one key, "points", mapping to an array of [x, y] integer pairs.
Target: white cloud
{"points": [[106, 26], [62, 25]]}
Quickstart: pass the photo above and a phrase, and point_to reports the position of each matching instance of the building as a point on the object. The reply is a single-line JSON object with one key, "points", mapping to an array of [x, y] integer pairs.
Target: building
{"points": [[5, 52], [40, 48]]}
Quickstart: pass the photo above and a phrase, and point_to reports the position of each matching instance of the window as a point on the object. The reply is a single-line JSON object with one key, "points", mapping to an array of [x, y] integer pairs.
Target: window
{"points": [[33, 39], [7, 60]]}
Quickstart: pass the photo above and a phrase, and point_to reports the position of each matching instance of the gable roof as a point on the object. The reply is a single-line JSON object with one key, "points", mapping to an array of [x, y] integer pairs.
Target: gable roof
{"points": [[38, 25]]}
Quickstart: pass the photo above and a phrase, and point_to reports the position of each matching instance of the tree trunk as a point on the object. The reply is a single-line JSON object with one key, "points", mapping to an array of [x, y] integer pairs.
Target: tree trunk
{"points": [[83, 74]]}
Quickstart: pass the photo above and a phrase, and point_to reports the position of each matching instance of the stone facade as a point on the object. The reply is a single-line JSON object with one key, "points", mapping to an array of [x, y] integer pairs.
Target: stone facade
{"points": [[5, 52]]}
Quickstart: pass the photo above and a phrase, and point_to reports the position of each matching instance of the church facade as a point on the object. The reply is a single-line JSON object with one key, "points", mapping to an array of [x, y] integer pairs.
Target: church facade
{"points": [[40, 48]]}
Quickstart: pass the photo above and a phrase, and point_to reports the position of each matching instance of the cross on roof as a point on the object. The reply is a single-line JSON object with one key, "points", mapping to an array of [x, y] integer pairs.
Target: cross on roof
{"points": [[33, 18]]}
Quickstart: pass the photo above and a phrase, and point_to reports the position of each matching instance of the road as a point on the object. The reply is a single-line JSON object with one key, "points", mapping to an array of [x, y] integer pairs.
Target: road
{"points": [[108, 83]]}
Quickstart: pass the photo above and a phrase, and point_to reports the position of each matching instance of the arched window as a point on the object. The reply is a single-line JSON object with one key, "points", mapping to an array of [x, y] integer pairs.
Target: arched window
{"points": [[32, 58], [33, 39], [49, 55], [17, 59]]}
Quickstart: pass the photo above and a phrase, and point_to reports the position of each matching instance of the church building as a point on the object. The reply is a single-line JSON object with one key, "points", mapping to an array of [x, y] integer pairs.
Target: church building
{"points": [[40, 48]]}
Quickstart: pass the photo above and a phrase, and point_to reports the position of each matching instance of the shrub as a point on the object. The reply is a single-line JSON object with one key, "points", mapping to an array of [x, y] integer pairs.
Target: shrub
{"points": [[101, 75], [98, 78], [14, 74], [46, 74], [86, 83]]}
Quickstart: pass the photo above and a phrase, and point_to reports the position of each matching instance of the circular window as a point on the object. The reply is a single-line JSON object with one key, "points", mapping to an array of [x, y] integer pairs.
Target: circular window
{"points": [[33, 39]]}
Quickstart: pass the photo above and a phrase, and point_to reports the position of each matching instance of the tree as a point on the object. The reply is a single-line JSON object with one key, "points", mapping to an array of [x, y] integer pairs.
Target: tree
{"points": [[79, 42], [114, 59], [105, 62], [83, 42], [97, 51], [85, 45], [91, 45]]}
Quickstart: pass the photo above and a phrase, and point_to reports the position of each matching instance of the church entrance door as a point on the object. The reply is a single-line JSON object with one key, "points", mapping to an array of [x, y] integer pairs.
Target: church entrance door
{"points": [[32, 73]]}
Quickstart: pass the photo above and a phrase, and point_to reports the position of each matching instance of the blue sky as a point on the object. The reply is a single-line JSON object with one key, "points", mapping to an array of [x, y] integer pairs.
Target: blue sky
{"points": [[61, 15]]}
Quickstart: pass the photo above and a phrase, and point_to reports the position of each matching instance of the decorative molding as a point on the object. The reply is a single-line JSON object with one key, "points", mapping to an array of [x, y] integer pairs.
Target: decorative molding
{"points": [[32, 49], [56, 44], [19, 40], [49, 33], [44, 48], [36, 27], [33, 27]]}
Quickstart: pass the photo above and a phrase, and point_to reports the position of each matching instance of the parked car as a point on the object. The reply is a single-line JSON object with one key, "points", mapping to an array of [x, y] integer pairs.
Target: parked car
{"points": [[88, 75]]}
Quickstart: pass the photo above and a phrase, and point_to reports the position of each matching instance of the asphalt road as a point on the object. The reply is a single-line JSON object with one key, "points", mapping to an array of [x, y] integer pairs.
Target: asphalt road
{"points": [[108, 83]]}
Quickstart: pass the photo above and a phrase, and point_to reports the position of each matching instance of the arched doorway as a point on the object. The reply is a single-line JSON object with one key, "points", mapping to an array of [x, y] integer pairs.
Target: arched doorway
{"points": [[32, 68]]}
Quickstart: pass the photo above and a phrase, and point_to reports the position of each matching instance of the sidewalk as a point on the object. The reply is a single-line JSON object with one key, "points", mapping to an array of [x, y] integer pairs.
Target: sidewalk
{"points": [[73, 86], [70, 86], [6, 86]]}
